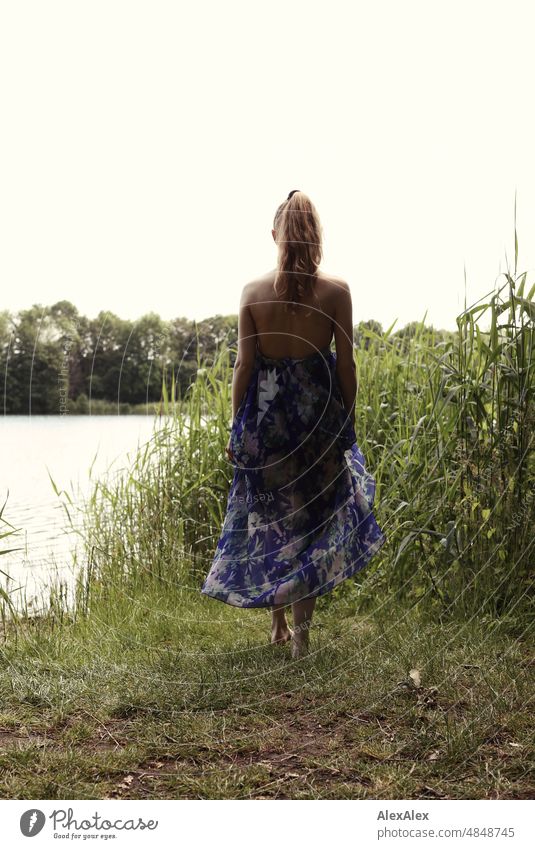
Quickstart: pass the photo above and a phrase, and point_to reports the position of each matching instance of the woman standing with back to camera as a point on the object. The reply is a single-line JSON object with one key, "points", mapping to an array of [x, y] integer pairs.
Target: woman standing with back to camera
{"points": [[299, 514]]}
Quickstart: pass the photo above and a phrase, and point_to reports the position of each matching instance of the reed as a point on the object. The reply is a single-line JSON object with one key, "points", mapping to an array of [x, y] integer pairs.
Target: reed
{"points": [[446, 423]]}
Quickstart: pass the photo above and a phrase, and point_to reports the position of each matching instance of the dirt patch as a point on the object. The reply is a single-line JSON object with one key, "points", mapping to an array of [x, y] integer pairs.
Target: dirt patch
{"points": [[112, 736], [298, 753], [10, 740]]}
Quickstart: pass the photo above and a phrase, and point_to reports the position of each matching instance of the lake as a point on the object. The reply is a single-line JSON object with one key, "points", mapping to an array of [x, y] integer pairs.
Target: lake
{"points": [[66, 446]]}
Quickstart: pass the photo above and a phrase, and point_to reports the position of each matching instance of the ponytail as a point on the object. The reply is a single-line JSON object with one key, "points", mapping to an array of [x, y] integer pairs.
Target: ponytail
{"points": [[298, 234]]}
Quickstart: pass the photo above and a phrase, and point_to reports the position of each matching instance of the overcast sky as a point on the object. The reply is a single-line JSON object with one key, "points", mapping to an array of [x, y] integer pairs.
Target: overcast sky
{"points": [[146, 145]]}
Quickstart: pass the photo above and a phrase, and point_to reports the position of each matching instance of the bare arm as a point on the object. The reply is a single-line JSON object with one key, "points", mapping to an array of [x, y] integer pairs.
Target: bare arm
{"points": [[246, 352], [346, 372]]}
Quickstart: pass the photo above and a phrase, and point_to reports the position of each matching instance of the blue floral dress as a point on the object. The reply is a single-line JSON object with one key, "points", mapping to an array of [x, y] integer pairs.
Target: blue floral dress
{"points": [[299, 514]]}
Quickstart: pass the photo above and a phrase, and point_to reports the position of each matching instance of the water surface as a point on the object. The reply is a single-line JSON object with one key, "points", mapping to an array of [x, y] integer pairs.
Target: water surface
{"points": [[67, 447]]}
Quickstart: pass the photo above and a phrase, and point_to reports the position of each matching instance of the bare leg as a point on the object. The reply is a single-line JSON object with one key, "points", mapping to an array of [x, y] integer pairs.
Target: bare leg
{"points": [[302, 616], [280, 632]]}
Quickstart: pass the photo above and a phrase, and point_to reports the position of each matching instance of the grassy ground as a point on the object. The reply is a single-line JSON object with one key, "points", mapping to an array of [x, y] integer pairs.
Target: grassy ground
{"points": [[171, 695]]}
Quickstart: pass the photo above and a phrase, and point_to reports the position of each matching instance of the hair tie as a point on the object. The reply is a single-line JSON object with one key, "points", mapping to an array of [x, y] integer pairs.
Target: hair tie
{"points": [[292, 193]]}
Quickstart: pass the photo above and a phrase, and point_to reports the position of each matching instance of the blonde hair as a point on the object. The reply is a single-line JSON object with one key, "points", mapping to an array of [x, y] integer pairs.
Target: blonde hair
{"points": [[298, 233]]}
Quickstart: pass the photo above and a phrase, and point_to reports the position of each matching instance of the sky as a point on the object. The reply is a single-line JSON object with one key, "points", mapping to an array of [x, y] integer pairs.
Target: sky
{"points": [[145, 147]]}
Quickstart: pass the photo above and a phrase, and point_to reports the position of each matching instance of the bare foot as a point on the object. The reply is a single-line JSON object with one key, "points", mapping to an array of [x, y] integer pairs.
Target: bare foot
{"points": [[279, 635], [300, 643]]}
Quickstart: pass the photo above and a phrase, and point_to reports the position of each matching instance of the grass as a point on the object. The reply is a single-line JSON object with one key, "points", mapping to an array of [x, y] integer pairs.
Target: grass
{"points": [[420, 681], [165, 695]]}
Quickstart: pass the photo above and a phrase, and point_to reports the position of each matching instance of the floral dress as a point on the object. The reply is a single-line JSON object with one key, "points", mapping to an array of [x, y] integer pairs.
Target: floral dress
{"points": [[299, 514]]}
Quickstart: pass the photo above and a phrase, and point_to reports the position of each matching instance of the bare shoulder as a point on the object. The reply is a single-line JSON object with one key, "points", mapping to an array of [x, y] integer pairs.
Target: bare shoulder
{"points": [[257, 289], [335, 288], [334, 282], [248, 294]]}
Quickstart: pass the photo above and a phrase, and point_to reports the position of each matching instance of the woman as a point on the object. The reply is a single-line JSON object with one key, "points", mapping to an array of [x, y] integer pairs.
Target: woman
{"points": [[299, 513]]}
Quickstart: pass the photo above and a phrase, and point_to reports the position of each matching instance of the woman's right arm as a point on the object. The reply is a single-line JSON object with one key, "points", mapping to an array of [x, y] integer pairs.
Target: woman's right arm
{"points": [[244, 363], [346, 371]]}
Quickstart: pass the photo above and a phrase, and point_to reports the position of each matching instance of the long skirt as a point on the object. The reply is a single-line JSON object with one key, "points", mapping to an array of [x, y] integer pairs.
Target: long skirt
{"points": [[299, 514]]}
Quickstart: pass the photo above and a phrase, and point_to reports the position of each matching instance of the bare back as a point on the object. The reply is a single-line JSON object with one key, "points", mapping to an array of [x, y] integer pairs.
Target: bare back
{"points": [[283, 333], [266, 327]]}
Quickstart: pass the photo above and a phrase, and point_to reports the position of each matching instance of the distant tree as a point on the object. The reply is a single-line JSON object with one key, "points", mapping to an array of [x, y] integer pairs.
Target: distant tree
{"points": [[359, 332], [106, 340], [214, 332], [146, 352], [426, 333], [37, 379], [70, 329], [6, 336], [80, 405], [410, 330], [182, 353]]}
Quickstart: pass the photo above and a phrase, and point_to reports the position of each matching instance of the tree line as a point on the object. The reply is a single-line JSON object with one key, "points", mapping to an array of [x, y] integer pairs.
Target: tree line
{"points": [[53, 359]]}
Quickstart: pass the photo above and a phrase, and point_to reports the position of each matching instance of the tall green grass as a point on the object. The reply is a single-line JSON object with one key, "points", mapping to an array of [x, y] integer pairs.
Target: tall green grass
{"points": [[446, 423]]}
